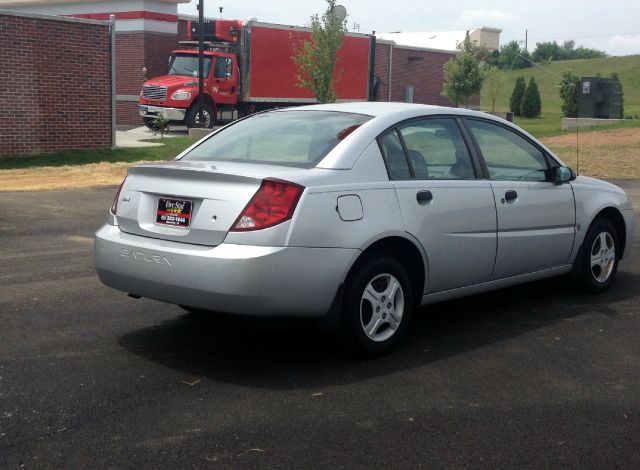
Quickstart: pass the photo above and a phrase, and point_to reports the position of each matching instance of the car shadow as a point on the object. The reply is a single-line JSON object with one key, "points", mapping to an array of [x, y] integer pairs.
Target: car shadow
{"points": [[293, 354]]}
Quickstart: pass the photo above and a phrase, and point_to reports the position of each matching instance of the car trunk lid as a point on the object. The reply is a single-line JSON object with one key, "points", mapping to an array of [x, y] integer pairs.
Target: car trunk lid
{"points": [[190, 202]]}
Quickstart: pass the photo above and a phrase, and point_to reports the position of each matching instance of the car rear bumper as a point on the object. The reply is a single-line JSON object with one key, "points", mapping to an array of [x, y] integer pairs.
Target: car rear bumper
{"points": [[171, 114], [252, 280]]}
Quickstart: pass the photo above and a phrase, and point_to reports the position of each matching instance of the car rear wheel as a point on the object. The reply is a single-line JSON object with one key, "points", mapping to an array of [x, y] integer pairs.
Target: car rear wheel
{"points": [[378, 306], [598, 260]]}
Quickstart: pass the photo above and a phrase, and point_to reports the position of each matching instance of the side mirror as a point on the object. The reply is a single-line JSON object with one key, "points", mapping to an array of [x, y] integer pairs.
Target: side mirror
{"points": [[144, 73], [562, 174], [195, 74]]}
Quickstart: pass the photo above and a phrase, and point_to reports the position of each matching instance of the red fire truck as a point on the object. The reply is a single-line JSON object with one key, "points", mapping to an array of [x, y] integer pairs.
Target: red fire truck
{"points": [[248, 67]]}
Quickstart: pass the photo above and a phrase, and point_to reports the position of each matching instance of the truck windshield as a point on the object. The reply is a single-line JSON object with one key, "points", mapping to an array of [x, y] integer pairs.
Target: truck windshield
{"points": [[291, 138], [187, 64]]}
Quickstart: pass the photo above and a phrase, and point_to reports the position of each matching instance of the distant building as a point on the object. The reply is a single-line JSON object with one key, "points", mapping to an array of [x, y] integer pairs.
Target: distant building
{"points": [[486, 37]]}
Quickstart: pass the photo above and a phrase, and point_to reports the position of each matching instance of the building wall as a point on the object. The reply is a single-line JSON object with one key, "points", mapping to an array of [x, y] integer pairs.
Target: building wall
{"points": [[422, 69], [135, 50], [61, 75]]}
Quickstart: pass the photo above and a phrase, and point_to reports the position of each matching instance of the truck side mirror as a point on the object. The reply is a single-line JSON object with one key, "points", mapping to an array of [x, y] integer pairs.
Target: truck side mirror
{"points": [[195, 74], [228, 68], [144, 73]]}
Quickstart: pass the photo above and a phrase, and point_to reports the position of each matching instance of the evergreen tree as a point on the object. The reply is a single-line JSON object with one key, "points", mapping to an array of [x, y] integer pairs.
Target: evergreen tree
{"points": [[515, 102], [531, 102], [570, 94]]}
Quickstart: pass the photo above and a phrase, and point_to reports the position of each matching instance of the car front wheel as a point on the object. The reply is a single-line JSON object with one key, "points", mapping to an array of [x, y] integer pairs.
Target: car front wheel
{"points": [[598, 259], [378, 306]]}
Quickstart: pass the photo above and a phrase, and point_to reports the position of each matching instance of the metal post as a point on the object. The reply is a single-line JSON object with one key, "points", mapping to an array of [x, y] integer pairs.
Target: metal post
{"points": [[390, 67], [372, 66], [201, 64], [112, 19]]}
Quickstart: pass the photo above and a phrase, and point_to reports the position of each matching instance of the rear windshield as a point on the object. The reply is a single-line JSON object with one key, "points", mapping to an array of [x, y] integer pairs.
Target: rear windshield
{"points": [[291, 138]]}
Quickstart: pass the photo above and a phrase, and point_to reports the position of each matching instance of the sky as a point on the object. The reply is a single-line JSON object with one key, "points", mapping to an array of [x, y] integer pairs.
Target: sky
{"points": [[612, 26]]}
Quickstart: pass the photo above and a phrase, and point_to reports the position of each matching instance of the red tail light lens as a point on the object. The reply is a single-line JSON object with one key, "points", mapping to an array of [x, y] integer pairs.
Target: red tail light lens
{"points": [[114, 206], [274, 203]]}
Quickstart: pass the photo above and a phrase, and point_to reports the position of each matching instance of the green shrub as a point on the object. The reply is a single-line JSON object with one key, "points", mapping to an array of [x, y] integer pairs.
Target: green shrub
{"points": [[531, 102], [570, 94], [515, 102]]}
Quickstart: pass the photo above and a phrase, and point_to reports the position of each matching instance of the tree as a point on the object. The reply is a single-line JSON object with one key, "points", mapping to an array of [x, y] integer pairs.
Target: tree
{"points": [[547, 51], [462, 75], [512, 57], [492, 82], [531, 102], [570, 94], [316, 58], [515, 102], [568, 51]]}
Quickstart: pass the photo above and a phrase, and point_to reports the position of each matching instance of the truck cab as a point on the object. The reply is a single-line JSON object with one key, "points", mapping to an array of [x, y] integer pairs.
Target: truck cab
{"points": [[174, 96]]}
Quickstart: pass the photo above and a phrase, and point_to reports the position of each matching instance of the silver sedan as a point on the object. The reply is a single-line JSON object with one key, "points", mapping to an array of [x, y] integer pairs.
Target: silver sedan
{"points": [[358, 213]]}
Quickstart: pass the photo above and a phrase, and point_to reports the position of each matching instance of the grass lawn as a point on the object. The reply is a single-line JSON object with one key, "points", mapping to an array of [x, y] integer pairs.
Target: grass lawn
{"points": [[548, 125], [172, 147], [548, 80]]}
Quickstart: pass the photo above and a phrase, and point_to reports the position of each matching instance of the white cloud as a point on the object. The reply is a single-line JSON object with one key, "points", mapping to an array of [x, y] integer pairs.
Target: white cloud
{"points": [[493, 18], [624, 45]]}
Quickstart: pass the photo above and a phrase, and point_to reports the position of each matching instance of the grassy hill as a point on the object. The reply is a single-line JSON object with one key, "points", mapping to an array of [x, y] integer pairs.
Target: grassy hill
{"points": [[627, 68]]}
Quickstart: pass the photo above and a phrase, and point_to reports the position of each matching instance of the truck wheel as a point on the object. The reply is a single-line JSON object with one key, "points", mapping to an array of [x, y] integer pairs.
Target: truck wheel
{"points": [[148, 122], [378, 306], [192, 118]]}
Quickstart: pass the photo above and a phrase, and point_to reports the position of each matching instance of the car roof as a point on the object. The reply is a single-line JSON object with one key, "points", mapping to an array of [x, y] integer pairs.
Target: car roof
{"points": [[397, 109], [386, 114]]}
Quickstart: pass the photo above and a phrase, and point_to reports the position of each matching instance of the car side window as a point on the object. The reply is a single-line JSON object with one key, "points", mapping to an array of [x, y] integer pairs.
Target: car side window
{"points": [[508, 155], [394, 156], [436, 149]]}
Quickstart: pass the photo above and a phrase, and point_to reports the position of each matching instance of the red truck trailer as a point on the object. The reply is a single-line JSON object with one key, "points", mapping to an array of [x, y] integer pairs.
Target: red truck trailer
{"points": [[247, 68]]}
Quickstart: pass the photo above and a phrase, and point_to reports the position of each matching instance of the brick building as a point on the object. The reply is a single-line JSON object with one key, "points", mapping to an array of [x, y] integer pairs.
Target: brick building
{"points": [[146, 33], [411, 74], [148, 30], [49, 62]]}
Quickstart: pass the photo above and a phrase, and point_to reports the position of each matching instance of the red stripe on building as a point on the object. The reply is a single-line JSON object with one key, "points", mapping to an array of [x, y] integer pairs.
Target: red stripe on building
{"points": [[129, 15]]}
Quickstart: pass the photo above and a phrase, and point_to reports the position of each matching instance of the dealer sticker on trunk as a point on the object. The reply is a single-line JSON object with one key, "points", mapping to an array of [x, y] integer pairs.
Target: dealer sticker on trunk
{"points": [[174, 212]]}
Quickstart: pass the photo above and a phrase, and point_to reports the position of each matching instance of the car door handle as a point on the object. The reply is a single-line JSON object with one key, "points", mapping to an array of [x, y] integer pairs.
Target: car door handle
{"points": [[424, 197], [510, 196]]}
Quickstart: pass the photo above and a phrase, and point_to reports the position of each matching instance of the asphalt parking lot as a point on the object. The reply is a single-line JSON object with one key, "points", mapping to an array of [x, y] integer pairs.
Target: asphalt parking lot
{"points": [[534, 376]]}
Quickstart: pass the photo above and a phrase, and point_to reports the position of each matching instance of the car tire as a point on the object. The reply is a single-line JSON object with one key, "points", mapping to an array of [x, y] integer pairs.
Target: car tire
{"points": [[597, 262], [378, 306], [192, 118]]}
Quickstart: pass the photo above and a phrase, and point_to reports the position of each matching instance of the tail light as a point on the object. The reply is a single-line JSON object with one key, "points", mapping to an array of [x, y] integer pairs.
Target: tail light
{"points": [[114, 206], [273, 204]]}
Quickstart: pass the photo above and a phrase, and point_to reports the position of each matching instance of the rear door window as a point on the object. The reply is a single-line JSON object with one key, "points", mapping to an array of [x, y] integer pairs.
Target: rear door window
{"points": [[394, 156], [430, 148], [436, 149]]}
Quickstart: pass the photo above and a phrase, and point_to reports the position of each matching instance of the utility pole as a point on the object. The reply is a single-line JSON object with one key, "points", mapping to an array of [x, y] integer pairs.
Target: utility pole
{"points": [[526, 40], [201, 65]]}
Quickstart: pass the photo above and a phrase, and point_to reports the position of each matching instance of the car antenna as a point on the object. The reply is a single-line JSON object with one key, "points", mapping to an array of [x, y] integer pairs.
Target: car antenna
{"points": [[564, 82]]}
